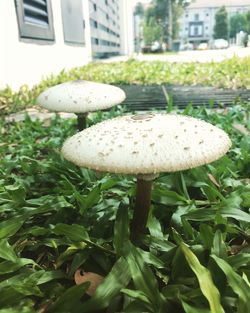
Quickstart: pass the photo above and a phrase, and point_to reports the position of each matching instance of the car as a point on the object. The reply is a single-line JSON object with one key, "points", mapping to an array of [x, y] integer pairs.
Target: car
{"points": [[202, 46], [156, 47], [220, 44], [186, 46]]}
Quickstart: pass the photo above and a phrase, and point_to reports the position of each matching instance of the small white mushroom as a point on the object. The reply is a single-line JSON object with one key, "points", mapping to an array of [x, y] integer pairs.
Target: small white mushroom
{"points": [[80, 97], [156, 143]]}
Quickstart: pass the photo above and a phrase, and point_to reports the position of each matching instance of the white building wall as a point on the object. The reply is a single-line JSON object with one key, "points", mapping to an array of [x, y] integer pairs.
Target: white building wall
{"points": [[116, 16], [105, 14], [28, 62], [127, 31], [206, 12]]}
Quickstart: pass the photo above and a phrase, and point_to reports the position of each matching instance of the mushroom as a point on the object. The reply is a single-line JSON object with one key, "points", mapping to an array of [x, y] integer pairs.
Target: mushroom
{"points": [[146, 145], [80, 97]]}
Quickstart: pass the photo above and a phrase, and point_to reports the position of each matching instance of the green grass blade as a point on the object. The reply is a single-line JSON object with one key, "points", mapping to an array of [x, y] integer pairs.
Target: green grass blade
{"points": [[6, 251], [121, 231], [117, 279], [70, 300], [11, 226], [206, 283], [236, 282], [190, 309], [144, 279]]}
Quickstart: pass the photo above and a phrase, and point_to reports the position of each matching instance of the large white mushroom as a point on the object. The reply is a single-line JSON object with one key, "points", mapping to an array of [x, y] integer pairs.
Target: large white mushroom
{"points": [[145, 145], [80, 97]]}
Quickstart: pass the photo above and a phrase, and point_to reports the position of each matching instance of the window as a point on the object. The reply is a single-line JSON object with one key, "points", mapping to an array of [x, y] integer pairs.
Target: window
{"points": [[196, 29], [35, 20], [94, 6], [196, 17], [94, 41], [72, 18]]}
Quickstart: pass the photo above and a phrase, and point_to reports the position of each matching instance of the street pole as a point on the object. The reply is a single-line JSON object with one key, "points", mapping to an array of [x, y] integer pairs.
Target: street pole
{"points": [[170, 24]]}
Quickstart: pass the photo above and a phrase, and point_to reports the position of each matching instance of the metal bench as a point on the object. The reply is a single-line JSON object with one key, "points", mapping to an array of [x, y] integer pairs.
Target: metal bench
{"points": [[142, 97]]}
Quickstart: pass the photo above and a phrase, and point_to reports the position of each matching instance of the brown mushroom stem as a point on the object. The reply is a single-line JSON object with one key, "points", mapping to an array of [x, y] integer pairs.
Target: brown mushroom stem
{"points": [[142, 206], [81, 121]]}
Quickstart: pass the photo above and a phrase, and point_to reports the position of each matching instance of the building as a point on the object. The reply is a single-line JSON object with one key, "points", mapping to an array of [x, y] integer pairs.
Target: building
{"points": [[105, 27], [43, 37], [109, 24], [138, 18], [198, 20]]}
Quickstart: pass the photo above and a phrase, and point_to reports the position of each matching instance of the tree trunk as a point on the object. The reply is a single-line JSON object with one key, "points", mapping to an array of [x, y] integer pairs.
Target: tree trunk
{"points": [[170, 24]]}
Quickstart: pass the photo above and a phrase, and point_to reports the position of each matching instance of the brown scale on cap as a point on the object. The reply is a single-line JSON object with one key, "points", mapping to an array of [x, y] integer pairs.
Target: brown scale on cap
{"points": [[80, 97], [162, 144]]}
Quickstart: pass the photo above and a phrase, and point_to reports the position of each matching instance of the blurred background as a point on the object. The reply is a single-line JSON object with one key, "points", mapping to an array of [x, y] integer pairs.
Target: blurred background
{"points": [[43, 37]]}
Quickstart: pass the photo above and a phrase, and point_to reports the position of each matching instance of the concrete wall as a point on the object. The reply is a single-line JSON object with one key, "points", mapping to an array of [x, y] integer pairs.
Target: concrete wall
{"points": [[127, 28], [27, 62], [206, 14], [116, 17]]}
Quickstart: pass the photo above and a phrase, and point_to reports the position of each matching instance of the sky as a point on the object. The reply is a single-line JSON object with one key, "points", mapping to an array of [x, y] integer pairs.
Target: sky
{"points": [[142, 1]]}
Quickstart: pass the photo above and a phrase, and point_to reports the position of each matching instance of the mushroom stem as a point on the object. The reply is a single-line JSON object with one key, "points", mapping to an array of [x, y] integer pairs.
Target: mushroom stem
{"points": [[81, 121], [142, 206]]}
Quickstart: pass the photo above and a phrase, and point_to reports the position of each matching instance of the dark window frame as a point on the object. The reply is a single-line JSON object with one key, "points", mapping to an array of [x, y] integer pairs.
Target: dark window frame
{"points": [[73, 30], [33, 31], [196, 24]]}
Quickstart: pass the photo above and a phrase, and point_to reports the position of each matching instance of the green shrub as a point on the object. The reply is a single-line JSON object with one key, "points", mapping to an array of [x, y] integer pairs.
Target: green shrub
{"points": [[56, 217], [233, 73]]}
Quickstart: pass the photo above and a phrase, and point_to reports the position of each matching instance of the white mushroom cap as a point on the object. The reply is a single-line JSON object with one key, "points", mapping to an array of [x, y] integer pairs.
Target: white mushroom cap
{"points": [[80, 96], [146, 144]]}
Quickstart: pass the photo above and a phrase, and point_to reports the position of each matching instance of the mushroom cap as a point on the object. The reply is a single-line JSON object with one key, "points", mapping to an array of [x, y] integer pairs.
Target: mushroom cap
{"points": [[80, 96], [147, 144]]}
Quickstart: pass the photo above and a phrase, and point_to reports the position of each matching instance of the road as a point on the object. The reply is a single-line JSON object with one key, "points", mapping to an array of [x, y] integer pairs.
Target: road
{"points": [[189, 56]]}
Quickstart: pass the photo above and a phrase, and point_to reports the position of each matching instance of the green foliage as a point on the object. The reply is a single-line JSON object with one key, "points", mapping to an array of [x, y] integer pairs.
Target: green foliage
{"points": [[248, 21], [233, 73], [56, 218], [238, 22], [152, 32], [221, 24], [159, 12], [139, 10]]}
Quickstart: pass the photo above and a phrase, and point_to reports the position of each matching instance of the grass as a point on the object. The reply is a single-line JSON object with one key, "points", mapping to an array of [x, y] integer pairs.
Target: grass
{"points": [[56, 218], [233, 73]]}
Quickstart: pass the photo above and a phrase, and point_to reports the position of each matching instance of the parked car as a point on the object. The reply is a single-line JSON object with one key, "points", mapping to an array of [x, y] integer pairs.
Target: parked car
{"points": [[156, 47], [153, 48], [186, 46], [220, 44], [202, 46]]}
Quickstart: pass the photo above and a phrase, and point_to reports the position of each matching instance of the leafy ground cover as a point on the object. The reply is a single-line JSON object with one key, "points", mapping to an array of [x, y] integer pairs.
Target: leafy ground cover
{"points": [[233, 73], [56, 218]]}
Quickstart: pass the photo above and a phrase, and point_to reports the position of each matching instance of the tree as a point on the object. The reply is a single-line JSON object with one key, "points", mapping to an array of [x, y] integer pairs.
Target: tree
{"points": [[248, 21], [166, 13], [139, 10], [221, 24], [238, 22], [152, 31]]}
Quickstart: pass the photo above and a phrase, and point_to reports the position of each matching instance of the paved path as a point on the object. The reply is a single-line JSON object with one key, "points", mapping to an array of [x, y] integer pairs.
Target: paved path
{"points": [[36, 113], [189, 56], [152, 97]]}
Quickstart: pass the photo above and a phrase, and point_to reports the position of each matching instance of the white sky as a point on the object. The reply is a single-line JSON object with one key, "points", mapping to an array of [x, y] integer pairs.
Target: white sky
{"points": [[142, 1]]}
